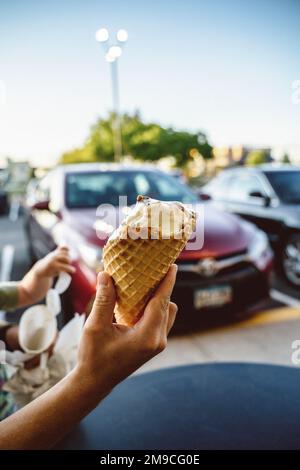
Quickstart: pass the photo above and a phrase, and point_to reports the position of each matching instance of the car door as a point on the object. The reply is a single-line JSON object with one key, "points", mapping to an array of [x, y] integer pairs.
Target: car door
{"points": [[249, 197], [217, 190]]}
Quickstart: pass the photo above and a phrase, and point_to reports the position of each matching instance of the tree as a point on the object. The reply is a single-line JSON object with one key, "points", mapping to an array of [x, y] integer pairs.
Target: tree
{"points": [[257, 157], [75, 156], [142, 141], [286, 159]]}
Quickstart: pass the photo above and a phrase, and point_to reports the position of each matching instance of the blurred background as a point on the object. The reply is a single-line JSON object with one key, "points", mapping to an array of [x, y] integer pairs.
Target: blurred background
{"points": [[195, 101]]}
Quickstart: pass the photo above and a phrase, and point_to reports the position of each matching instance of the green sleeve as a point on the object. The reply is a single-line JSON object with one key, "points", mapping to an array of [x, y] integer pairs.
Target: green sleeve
{"points": [[9, 295]]}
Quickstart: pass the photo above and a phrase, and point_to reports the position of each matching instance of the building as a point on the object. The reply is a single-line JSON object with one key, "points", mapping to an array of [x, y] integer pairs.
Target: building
{"points": [[235, 155]]}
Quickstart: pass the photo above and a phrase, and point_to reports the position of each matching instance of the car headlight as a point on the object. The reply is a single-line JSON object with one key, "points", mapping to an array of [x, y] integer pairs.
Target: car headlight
{"points": [[259, 248], [91, 255]]}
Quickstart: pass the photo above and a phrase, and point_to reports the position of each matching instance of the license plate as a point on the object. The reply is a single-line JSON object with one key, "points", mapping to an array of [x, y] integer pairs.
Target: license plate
{"points": [[216, 296]]}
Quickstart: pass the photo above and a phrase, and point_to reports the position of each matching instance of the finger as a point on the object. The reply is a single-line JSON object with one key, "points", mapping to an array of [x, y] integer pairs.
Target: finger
{"points": [[156, 312], [33, 362], [104, 303], [62, 248], [68, 268], [173, 309], [167, 285], [12, 337], [63, 258]]}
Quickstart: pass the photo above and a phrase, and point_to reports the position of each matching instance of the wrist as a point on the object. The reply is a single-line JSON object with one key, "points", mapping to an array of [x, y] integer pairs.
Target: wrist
{"points": [[91, 387], [37, 271], [34, 287]]}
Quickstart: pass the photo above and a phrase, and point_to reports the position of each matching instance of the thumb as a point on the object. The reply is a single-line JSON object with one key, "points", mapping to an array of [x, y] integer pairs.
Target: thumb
{"points": [[104, 303]]}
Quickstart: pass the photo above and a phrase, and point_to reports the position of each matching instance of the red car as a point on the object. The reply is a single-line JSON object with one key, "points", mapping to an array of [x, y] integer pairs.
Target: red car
{"points": [[229, 273]]}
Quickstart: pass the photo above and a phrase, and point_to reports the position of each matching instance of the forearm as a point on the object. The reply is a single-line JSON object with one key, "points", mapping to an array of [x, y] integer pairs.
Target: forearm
{"points": [[39, 279], [47, 419], [33, 288], [30, 290]]}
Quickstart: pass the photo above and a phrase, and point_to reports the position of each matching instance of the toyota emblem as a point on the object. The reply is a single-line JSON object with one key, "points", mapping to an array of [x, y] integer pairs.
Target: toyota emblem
{"points": [[208, 267]]}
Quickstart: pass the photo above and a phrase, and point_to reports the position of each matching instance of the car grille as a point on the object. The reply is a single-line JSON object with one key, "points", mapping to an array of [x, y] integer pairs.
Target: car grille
{"points": [[226, 265], [249, 285], [240, 280]]}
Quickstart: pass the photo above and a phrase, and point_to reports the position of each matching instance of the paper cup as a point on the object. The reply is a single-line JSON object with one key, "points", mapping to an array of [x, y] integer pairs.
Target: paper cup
{"points": [[37, 329], [53, 302], [63, 282]]}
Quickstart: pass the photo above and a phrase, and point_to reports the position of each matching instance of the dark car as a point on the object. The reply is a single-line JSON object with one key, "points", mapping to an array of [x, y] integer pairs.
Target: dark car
{"points": [[215, 276], [3, 194], [3, 202], [268, 196]]}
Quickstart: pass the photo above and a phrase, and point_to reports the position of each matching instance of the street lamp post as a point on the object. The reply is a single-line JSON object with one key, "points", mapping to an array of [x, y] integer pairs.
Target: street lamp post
{"points": [[112, 53]]}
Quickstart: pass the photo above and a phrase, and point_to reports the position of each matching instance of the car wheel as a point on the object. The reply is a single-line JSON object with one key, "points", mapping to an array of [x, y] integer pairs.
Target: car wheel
{"points": [[290, 260]]}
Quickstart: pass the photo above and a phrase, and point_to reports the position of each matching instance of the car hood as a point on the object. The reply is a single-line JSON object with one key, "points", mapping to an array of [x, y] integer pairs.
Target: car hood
{"points": [[218, 233], [291, 215], [224, 234]]}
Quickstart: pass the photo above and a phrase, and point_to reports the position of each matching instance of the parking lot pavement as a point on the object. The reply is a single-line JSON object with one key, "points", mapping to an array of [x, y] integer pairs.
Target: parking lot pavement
{"points": [[12, 235], [266, 336]]}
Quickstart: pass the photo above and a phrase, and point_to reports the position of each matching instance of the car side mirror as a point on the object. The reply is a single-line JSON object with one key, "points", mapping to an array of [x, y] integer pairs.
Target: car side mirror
{"points": [[263, 197], [41, 206], [204, 196]]}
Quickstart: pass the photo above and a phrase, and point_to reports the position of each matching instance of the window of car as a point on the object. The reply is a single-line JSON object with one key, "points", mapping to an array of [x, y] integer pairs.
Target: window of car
{"points": [[218, 187], [90, 189], [286, 185], [166, 188], [243, 188], [142, 184]]}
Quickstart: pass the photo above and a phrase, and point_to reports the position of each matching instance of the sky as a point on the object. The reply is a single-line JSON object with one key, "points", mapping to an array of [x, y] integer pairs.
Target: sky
{"points": [[226, 67]]}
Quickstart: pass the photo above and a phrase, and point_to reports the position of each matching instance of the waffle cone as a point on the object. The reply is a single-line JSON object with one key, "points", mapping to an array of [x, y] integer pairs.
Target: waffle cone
{"points": [[139, 253], [137, 267]]}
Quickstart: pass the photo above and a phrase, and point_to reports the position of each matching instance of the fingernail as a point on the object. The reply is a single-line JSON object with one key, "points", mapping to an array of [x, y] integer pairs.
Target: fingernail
{"points": [[175, 267], [103, 279]]}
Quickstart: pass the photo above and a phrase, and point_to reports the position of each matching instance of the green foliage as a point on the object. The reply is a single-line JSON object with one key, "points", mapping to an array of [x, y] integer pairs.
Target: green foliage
{"points": [[142, 141], [257, 157], [286, 159], [75, 156]]}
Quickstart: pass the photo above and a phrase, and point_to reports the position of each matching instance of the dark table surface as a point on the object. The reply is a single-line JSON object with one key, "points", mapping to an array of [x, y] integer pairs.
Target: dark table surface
{"points": [[210, 406]]}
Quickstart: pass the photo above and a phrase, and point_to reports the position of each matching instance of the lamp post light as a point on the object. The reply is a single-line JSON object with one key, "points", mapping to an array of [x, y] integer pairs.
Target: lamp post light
{"points": [[113, 50]]}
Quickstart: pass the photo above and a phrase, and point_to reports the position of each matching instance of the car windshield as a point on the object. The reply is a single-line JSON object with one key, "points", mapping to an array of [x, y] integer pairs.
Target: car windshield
{"points": [[286, 185], [90, 189]]}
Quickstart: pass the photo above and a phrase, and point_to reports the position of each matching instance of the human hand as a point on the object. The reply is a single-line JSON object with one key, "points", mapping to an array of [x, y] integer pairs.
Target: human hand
{"points": [[35, 285], [55, 262], [12, 342], [110, 352]]}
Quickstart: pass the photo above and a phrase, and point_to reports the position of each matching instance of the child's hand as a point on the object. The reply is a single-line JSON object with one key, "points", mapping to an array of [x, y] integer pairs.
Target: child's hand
{"points": [[54, 263], [12, 344], [35, 285]]}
